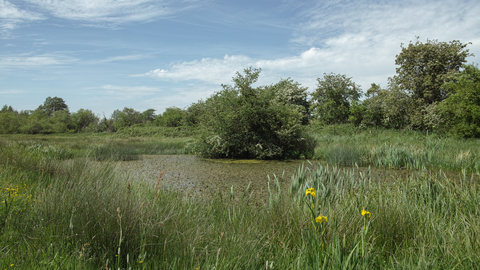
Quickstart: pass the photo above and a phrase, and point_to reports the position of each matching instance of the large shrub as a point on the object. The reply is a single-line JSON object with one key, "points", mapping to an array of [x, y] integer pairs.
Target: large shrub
{"points": [[246, 122], [461, 109]]}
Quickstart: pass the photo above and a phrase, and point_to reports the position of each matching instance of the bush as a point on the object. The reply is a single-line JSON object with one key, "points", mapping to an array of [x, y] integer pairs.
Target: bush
{"points": [[245, 122], [461, 109]]}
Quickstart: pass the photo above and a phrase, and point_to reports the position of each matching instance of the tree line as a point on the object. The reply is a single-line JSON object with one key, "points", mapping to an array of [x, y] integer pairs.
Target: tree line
{"points": [[433, 89]]}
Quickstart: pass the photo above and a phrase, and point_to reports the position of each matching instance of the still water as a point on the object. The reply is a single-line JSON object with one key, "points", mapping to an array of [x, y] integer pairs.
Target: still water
{"points": [[198, 176]]}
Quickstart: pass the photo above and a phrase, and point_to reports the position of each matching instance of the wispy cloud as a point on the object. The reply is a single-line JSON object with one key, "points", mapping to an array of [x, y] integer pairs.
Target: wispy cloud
{"points": [[11, 16], [130, 92], [210, 70], [11, 92], [111, 11], [32, 61], [305, 68], [129, 57]]}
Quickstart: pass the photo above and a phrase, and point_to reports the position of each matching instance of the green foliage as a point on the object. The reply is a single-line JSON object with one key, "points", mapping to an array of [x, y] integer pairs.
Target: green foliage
{"points": [[171, 117], [461, 109], [148, 115], [246, 122], [52, 105], [85, 120], [126, 118], [332, 99], [289, 91], [397, 106], [9, 122], [194, 113], [423, 69]]}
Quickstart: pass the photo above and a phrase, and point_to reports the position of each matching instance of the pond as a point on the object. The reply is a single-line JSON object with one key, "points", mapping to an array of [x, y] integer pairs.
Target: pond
{"points": [[198, 176]]}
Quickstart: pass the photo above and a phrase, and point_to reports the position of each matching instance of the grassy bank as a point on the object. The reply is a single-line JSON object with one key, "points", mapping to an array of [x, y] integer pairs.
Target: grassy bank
{"points": [[80, 215], [107, 146], [347, 145], [342, 145]]}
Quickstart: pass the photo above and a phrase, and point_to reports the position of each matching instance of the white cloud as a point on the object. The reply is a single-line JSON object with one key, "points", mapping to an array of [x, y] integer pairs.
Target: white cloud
{"points": [[210, 70], [110, 11], [28, 61], [130, 92], [11, 92], [11, 16], [359, 39], [304, 68], [123, 58]]}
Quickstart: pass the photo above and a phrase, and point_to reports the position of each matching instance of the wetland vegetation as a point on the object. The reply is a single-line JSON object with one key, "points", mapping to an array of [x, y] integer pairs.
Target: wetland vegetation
{"points": [[65, 208], [330, 182]]}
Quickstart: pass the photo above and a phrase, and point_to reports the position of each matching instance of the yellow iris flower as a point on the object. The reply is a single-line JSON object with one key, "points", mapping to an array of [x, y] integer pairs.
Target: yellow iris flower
{"points": [[366, 212], [311, 191], [321, 218]]}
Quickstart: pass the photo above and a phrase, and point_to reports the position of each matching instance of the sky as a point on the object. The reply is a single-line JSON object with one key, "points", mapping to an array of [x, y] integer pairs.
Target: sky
{"points": [[105, 55]]}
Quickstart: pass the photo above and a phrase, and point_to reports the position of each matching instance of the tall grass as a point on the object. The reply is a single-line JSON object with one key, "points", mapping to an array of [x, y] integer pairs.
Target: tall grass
{"points": [[84, 216], [346, 145]]}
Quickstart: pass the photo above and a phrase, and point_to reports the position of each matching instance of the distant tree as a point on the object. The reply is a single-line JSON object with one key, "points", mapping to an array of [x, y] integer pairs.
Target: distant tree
{"points": [[332, 99], [148, 115], [10, 121], [60, 122], [53, 104], [126, 118], [106, 125], [172, 117], [85, 120], [460, 111], [7, 108], [423, 69], [194, 113], [397, 106]]}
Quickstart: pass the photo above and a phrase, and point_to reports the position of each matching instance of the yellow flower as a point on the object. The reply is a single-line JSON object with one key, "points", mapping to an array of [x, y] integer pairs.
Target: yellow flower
{"points": [[366, 212], [311, 191], [141, 261], [321, 218]]}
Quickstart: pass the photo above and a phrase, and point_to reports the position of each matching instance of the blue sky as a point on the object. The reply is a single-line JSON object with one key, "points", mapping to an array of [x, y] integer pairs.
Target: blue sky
{"points": [[110, 54]]}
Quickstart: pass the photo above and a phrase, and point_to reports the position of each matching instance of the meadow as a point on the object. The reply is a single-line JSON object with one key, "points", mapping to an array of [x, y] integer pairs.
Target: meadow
{"points": [[64, 206]]}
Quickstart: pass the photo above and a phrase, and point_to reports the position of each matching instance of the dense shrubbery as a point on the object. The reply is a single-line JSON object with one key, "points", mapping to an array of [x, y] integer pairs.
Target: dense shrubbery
{"points": [[263, 122]]}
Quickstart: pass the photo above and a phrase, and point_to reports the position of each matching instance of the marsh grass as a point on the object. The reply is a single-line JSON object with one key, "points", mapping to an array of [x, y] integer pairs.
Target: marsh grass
{"points": [[83, 215], [346, 145]]}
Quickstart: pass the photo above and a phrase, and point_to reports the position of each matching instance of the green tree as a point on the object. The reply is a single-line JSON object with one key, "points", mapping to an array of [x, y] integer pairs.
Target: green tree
{"points": [[85, 120], [126, 118], [61, 122], [423, 69], [148, 115], [194, 113], [289, 91], [10, 121], [53, 104], [172, 117], [460, 111], [242, 121], [332, 99]]}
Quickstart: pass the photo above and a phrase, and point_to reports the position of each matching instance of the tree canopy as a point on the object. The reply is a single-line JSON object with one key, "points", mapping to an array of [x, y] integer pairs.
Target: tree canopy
{"points": [[332, 99], [461, 110], [243, 121]]}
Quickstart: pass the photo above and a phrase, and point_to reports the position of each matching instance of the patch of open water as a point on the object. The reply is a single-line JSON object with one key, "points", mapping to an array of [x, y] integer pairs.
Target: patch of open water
{"points": [[198, 176]]}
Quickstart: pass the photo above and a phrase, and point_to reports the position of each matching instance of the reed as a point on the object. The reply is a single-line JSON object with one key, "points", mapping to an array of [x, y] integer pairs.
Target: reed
{"points": [[83, 215]]}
